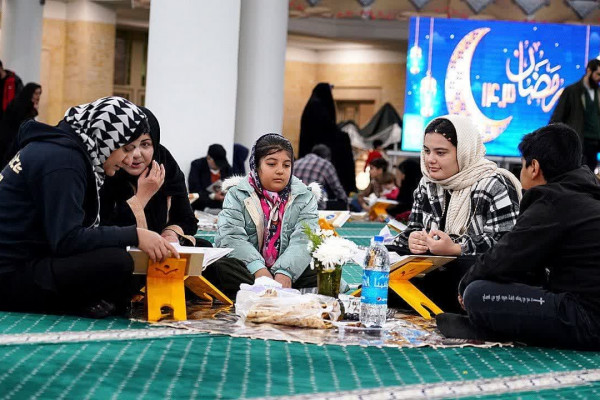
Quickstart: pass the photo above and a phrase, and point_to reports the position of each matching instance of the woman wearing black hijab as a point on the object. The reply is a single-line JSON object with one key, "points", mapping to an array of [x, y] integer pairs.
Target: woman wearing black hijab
{"points": [[22, 108], [318, 125], [150, 192]]}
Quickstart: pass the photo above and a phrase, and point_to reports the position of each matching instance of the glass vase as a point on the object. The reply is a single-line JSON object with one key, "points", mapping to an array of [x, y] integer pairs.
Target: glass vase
{"points": [[328, 281]]}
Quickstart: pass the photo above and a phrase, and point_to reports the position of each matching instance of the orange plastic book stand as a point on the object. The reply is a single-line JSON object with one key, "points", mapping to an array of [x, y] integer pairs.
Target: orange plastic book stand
{"points": [[165, 288], [206, 290], [379, 209], [400, 283]]}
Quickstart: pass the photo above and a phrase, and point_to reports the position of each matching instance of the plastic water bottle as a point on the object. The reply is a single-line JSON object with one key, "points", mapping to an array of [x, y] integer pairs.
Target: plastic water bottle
{"points": [[376, 276]]}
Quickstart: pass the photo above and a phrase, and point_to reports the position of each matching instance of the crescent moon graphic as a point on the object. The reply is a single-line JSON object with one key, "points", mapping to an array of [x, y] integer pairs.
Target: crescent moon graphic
{"points": [[459, 97]]}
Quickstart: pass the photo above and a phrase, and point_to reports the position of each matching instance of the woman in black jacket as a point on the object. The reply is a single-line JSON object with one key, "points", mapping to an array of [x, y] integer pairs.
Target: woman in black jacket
{"points": [[150, 192]]}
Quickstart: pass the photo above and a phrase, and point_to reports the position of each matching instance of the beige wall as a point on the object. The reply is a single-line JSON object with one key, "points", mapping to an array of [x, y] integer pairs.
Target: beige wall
{"points": [[52, 70], [300, 78], [77, 65], [89, 62]]}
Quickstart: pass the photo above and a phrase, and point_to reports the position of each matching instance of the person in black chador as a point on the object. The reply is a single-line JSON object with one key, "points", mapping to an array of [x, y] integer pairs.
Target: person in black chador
{"points": [[23, 107], [150, 191], [54, 256], [318, 126], [539, 283]]}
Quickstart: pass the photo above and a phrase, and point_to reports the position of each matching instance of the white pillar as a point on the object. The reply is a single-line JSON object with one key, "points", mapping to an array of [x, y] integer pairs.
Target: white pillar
{"points": [[21, 43], [261, 65], [192, 74]]}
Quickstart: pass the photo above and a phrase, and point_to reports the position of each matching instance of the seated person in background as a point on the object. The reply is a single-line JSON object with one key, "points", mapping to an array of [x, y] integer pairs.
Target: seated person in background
{"points": [[539, 283], [389, 190], [376, 152], [262, 221], [408, 175], [150, 191], [377, 167], [317, 167], [462, 207], [206, 171], [53, 255]]}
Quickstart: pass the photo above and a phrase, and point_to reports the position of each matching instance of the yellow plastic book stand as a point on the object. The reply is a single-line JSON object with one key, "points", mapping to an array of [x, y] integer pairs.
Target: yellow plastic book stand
{"points": [[164, 288], [206, 290], [400, 283]]}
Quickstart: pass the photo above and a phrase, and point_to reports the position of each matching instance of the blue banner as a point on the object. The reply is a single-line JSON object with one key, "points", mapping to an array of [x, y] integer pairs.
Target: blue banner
{"points": [[506, 76]]}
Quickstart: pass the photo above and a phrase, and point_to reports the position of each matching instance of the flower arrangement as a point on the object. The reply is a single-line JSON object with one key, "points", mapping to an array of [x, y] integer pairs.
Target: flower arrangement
{"points": [[328, 251]]}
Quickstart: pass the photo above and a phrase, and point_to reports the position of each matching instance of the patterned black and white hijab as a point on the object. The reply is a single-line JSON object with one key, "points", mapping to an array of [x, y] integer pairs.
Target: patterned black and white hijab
{"points": [[105, 125]]}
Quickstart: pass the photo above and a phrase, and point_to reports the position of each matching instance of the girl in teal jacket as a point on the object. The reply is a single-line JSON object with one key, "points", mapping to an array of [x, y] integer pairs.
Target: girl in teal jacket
{"points": [[262, 220]]}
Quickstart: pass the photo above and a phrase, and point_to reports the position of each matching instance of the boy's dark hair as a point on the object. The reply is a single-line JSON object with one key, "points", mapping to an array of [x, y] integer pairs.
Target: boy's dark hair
{"points": [[444, 127], [380, 163], [269, 144], [377, 143], [322, 150], [387, 177], [556, 147], [593, 64]]}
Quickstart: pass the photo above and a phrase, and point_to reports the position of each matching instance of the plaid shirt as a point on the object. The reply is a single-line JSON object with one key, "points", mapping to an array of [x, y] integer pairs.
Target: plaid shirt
{"points": [[312, 168], [494, 211]]}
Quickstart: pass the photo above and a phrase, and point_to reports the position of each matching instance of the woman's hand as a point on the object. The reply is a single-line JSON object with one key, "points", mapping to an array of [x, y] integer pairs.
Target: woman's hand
{"points": [[263, 272], [440, 244], [417, 243], [157, 247], [170, 236], [149, 182], [286, 281]]}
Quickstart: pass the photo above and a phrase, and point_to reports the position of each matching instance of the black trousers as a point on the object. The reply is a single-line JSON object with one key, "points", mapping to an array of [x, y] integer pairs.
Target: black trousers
{"points": [[440, 285], [590, 153], [68, 284], [518, 312], [227, 274]]}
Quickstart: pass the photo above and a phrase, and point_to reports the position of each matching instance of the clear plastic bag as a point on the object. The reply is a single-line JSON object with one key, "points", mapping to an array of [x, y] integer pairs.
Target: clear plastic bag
{"points": [[284, 307]]}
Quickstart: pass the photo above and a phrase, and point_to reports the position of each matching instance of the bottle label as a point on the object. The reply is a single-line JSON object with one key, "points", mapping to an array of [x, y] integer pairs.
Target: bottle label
{"points": [[375, 287]]}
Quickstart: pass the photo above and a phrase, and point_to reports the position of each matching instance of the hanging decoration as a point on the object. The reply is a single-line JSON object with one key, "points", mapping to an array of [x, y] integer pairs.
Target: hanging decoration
{"points": [[531, 6], [419, 3], [583, 7], [478, 5], [415, 54], [428, 89], [366, 8], [313, 3]]}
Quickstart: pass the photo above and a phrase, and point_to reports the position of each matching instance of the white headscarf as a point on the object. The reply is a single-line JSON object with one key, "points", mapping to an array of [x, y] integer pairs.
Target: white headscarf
{"points": [[472, 168]]}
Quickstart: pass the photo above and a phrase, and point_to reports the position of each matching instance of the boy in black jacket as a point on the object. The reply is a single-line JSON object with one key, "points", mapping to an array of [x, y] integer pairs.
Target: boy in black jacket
{"points": [[540, 283]]}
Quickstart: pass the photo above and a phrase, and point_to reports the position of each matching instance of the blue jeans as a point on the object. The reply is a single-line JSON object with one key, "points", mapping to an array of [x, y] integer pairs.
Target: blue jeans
{"points": [[533, 315]]}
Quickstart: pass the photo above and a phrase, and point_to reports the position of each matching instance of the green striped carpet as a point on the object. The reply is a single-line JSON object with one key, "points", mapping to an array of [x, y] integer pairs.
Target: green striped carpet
{"points": [[48, 357]]}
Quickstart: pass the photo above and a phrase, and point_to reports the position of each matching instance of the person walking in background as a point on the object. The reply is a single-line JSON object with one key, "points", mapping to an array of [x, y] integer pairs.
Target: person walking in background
{"points": [[206, 177], [316, 167], [25, 106], [578, 107], [318, 126], [10, 86]]}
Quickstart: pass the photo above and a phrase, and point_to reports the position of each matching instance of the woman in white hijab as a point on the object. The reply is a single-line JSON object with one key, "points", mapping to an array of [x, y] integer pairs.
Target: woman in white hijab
{"points": [[464, 202]]}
